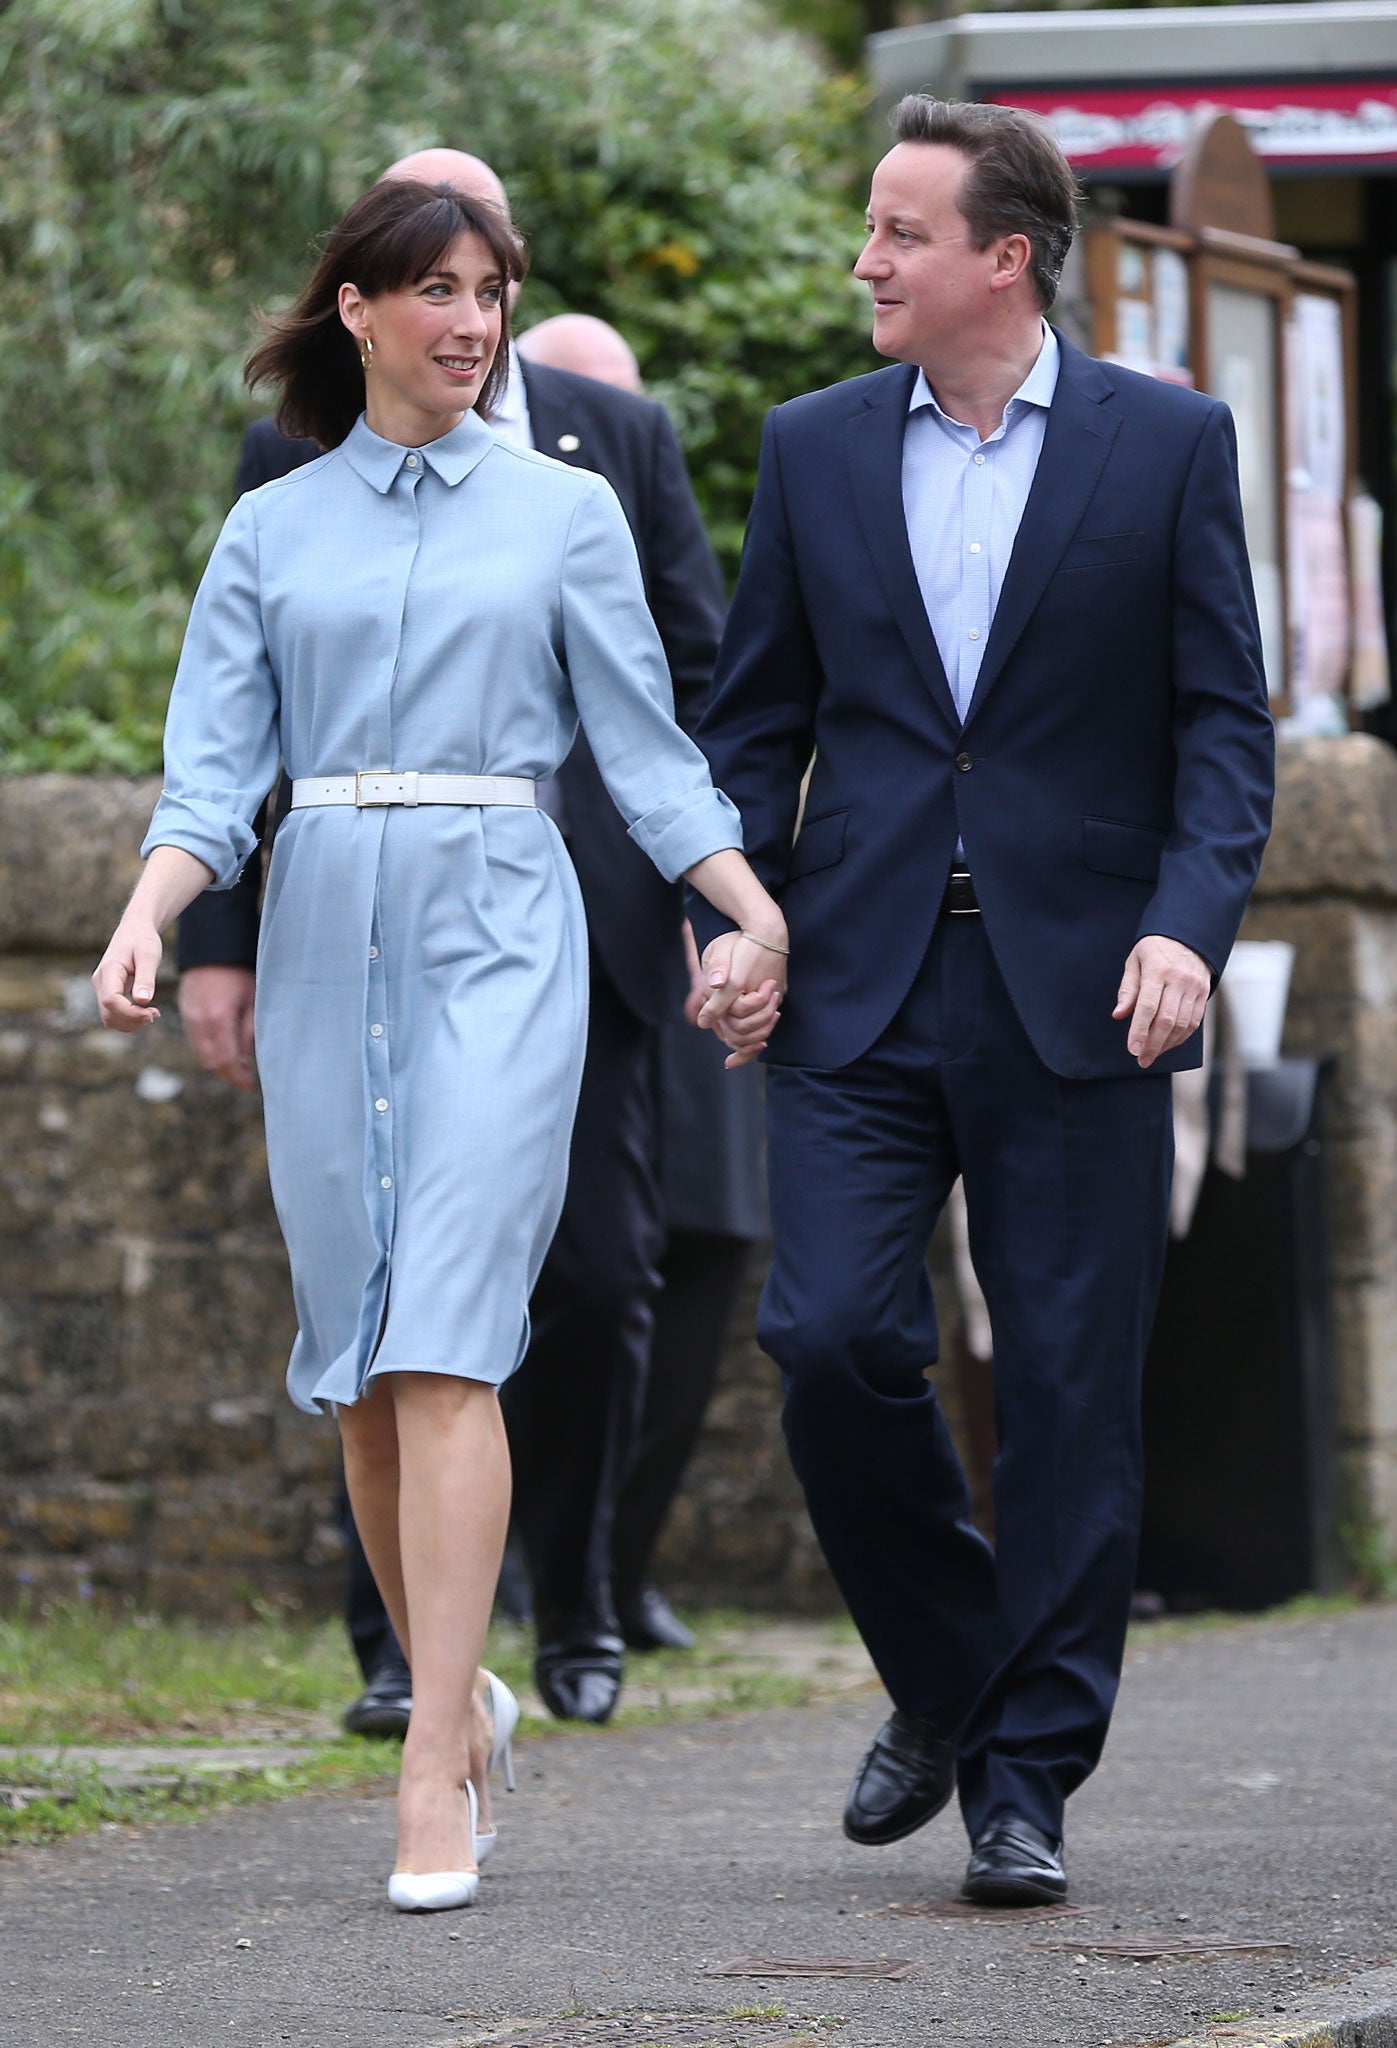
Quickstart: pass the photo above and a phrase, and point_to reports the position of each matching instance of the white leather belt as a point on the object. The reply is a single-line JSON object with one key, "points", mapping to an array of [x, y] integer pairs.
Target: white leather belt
{"points": [[372, 788]]}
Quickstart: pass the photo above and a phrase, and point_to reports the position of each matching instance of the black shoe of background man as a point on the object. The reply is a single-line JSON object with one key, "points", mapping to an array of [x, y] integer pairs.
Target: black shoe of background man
{"points": [[648, 1622], [578, 1673], [384, 1707], [1013, 1863], [904, 1780]]}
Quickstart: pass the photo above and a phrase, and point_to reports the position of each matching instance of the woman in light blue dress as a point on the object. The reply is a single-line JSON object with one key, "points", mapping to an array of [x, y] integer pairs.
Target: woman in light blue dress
{"points": [[414, 625]]}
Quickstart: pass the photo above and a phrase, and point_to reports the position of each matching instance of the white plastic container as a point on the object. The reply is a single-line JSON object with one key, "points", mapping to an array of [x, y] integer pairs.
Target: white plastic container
{"points": [[1255, 986]]}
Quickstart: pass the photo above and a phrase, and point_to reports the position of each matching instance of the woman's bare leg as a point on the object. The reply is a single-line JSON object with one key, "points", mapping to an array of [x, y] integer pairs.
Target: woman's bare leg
{"points": [[369, 1437], [444, 1465]]}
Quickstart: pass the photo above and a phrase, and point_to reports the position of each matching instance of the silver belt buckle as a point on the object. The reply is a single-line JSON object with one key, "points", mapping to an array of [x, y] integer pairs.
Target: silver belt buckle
{"points": [[363, 801]]}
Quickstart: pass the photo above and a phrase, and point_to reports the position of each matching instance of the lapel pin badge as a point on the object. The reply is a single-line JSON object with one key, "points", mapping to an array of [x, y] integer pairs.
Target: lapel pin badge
{"points": [[569, 443]]}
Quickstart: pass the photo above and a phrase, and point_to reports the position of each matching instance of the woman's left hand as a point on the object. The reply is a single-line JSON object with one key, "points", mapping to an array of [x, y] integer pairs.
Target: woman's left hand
{"points": [[746, 982]]}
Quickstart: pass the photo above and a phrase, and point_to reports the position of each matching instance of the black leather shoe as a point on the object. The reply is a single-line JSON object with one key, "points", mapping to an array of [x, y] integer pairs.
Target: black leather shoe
{"points": [[648, 1622], [1013, 1863], [903, 1782], [384, 1707], [580, 1680]]}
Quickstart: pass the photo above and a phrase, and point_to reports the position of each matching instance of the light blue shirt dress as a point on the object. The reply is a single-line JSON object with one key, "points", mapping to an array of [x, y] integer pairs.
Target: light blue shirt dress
{"points": [[422, 973]]}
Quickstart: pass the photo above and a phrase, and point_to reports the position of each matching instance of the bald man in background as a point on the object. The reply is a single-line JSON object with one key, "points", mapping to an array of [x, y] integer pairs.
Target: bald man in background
{"points": [[585, 345], [709, 1148], [574, 1410]]}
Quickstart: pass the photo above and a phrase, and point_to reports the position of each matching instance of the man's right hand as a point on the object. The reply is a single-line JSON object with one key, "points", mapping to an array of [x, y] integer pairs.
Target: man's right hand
{"points": [[216, 1006]]}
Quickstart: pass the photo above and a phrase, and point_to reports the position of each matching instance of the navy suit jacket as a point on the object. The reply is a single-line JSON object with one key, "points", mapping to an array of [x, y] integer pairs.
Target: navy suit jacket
{"points": [[633, 914], [1113, 777]]}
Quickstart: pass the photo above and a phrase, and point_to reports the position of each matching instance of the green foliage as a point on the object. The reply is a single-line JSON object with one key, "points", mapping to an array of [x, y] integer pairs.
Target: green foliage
{"points": [[685, 168]]}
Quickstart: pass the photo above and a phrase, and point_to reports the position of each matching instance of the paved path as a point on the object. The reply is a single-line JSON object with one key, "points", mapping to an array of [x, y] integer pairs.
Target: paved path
{"points": [[1247, 1799]]}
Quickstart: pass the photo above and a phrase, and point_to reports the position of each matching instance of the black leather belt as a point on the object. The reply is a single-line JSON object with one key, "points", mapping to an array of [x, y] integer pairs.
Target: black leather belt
{"points": [[960, 899]]}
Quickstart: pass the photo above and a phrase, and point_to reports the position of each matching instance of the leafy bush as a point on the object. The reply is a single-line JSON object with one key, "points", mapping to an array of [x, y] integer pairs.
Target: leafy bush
{"points": [[685, 168]]}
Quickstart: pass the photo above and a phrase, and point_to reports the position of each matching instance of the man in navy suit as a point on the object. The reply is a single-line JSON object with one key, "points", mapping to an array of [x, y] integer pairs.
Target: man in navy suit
{"points": [[1000, 594]]}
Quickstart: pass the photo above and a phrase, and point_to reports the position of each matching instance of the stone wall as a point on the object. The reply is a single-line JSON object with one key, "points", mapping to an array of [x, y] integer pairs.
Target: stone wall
{"points": [[147, 1448], [1329, 885]]}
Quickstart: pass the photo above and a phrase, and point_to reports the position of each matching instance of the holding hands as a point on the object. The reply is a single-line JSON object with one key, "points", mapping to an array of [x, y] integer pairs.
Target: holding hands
{"points": [[746, 979], [738, 988]]}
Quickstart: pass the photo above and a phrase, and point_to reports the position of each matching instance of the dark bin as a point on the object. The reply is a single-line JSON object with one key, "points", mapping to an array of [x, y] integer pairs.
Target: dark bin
{"points": [[1241, 1401]]}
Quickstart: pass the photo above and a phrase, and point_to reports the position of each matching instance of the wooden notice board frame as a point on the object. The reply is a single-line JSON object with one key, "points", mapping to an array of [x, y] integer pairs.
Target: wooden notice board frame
{"points": [[1212, 341]]}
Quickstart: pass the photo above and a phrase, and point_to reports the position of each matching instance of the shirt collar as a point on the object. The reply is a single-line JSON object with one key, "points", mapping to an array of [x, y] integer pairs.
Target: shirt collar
{"points": [[452, 455], [1037, 388], [512, 412]]}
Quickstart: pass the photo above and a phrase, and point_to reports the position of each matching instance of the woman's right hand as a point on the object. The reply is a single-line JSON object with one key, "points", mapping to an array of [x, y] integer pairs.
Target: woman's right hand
{"points": [[124, 977]]}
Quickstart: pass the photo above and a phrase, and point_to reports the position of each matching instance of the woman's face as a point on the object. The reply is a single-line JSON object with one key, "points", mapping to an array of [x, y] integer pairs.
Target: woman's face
{"points": [[433, 343]]}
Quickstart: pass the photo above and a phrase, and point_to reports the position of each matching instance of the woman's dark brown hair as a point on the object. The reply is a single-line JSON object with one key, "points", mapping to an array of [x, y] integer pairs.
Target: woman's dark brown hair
{"points": [[392, 238]]}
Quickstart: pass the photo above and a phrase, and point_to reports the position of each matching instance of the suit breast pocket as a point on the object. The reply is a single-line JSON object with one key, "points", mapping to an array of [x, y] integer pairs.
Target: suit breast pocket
{"points": [[1110, 847], [1101, 551], [819, 845]]}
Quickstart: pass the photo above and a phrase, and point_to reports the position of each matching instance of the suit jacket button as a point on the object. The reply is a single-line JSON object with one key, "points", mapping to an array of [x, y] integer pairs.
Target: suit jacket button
{"points": [[965, 763]]}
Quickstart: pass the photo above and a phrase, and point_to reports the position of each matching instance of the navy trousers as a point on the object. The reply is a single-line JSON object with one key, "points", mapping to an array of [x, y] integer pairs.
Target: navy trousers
{"points": [[1067, 1186]]}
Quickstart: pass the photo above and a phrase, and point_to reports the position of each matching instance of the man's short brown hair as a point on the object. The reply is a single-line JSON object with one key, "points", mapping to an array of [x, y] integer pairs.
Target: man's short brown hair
{"points": [[1019, 181]]}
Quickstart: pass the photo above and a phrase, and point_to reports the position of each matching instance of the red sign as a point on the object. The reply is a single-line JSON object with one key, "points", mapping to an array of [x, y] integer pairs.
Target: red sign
{"points": [[1117, 129]]}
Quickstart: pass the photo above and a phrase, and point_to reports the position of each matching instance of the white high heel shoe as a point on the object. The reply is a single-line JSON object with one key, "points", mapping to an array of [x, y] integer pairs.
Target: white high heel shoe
{"points": [[438, 1891], [504, 1712]]}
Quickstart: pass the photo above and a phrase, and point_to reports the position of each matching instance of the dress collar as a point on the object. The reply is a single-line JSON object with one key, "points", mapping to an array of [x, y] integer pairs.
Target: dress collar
{"points": [[453, 456]]}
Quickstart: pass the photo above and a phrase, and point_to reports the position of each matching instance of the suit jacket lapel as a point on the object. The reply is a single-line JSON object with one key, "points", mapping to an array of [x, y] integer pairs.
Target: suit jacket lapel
{"points": [[1076, 443], [874, 441]]}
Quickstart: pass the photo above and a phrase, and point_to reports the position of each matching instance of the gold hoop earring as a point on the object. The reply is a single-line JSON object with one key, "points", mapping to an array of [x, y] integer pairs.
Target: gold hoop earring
{"points": [[366, 354]]}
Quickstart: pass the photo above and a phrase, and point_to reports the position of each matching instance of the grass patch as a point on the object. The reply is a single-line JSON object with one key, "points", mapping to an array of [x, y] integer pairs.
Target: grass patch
{"points": [[54, 1801], [75, 1675], [72, 1673], [1211, 1621]]}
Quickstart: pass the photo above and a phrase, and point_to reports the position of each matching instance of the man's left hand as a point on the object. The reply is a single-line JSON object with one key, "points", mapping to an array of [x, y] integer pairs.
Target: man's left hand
{"points": [[1164, 991]]}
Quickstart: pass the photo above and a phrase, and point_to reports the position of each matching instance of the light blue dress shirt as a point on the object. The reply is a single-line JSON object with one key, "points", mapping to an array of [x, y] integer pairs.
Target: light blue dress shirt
{"points": [[963, 499], [511, 417], [422, 973]]}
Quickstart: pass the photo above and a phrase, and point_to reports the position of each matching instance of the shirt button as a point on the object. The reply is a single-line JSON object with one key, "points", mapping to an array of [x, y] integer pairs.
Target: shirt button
{"points": [[974, 632], [414, 462], [387, 1181], [381, 1104], [373, 952], [979, 458], [965, 763], [375, 1031], [974, 547]]}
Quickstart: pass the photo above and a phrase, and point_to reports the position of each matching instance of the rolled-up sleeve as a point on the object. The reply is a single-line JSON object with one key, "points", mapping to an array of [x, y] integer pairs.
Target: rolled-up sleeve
{"points": [[221, 729], [620, 683]]}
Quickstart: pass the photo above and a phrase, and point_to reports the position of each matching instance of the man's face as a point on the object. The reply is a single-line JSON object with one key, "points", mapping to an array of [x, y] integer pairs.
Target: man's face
{"points": [[931, 291]]}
